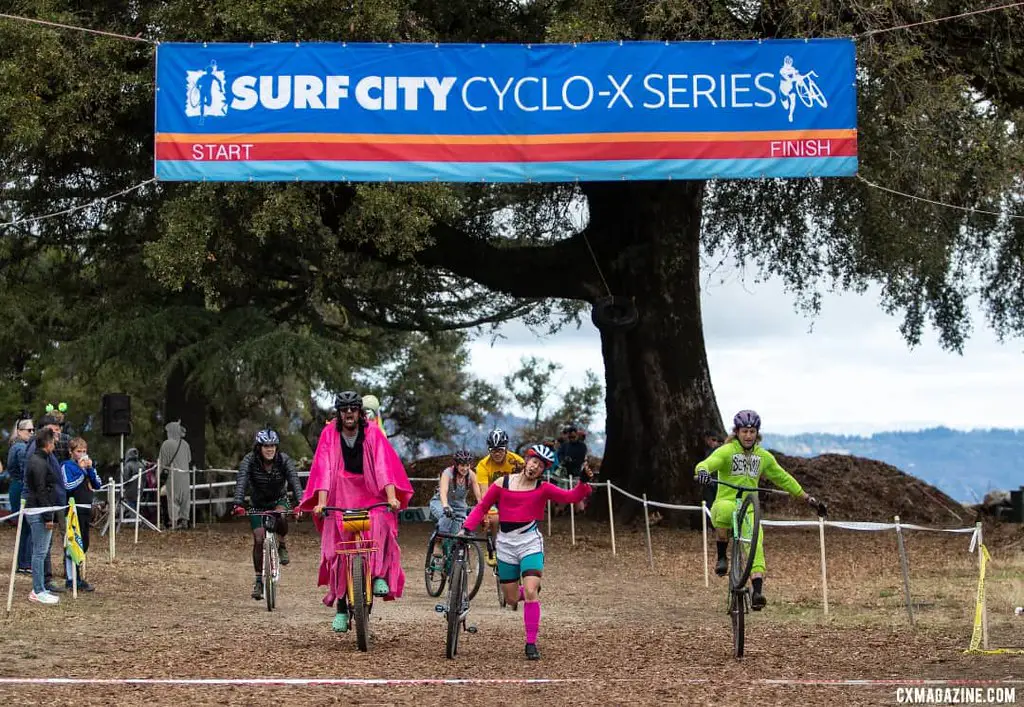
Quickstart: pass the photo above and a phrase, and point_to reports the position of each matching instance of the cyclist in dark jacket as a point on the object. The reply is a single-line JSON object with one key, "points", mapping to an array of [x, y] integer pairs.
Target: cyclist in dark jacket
{"points": [[266, 473]]}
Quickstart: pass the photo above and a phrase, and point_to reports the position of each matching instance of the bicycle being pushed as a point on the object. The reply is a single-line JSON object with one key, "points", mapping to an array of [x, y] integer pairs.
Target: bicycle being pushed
{"points": [[456, 608], [745, 536], [357, 554]]}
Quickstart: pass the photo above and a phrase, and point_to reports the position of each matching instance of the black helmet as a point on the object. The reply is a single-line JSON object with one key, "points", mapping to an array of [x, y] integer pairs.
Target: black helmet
{"points": [[463, 457], [348, 399], [569, 427], [497, 439]]}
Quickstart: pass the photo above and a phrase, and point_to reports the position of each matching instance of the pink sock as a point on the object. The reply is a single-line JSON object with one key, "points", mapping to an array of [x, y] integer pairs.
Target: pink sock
{"points": [[531, 620]]}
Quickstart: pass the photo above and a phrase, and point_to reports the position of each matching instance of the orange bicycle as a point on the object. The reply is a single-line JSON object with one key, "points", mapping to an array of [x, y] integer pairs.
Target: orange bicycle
{"points": [[356, 554]]}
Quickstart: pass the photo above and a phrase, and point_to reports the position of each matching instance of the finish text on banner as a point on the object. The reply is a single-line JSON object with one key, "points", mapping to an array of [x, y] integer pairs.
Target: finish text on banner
{"points": [[506, 113]]}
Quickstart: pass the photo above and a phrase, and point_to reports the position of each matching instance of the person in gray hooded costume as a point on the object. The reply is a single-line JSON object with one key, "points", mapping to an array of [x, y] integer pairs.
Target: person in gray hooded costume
{"points": [[133, 466], [176, 457]]}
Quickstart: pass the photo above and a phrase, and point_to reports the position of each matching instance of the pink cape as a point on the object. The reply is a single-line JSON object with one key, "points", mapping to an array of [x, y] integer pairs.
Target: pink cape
{"points": [[381, 467]]}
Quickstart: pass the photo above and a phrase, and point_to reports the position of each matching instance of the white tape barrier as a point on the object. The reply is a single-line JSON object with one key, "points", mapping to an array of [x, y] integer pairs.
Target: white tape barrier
{"points": [[864, 526], [40, 511]]}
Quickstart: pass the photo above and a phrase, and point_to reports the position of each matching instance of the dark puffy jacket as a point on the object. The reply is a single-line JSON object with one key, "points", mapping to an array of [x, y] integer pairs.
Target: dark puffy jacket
{"points": [[571, 455], [266, 486], [41, 485]]}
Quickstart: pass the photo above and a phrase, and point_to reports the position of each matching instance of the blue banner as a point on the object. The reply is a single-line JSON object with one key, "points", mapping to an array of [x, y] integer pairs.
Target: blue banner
{"points": [[506, 113]]}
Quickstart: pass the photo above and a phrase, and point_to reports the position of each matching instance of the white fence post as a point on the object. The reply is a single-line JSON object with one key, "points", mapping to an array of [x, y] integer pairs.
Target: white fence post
{"points": [[112, 510], [192, 494], [824, 574], [704, 533], [906, 570], [138, 500], [611, 517], [647, 526], [159, 470], [14, 557], [984, 601], [572, 515]]}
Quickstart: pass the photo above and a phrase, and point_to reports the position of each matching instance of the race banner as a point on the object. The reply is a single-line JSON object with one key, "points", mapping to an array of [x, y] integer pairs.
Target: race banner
{"points": [[506, 112]]}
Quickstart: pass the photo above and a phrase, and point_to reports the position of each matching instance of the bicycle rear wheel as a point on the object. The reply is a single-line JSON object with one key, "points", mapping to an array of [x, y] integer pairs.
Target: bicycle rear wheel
{"points": [[456, 597], [737, 611], [270, 571], [434, 577], [744, 547], [474, 569], [357, 610]]}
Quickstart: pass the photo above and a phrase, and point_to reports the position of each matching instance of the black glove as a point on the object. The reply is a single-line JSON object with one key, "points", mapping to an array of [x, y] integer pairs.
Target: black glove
{"points": [[448, 513], [704, 477], [817, 505]]}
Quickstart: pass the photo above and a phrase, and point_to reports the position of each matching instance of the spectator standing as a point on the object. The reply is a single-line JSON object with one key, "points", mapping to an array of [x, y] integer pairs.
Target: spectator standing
{"points": [[50, 422], [41, 487], [24, 431], [80, 480], [176, 457]]}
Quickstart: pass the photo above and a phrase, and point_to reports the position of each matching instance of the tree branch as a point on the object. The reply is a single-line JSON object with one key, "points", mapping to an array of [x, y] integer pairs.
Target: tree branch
{"points": [[559, 270]]}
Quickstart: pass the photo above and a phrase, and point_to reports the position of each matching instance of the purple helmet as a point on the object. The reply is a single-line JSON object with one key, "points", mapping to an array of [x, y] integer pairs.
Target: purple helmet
{"points": [[747, 418]]}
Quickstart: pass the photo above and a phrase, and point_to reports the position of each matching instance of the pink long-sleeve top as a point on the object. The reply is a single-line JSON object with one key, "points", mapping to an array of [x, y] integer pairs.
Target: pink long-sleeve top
{"points": [[523, 506]]}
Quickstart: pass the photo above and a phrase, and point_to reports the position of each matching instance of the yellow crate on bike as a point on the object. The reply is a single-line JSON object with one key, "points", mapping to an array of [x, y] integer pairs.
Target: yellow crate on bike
{"points": [[356, 522]]}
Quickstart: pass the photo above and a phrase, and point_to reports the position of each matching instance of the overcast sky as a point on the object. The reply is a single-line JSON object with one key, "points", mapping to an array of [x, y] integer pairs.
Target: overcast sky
{"points": [[846, 371]]}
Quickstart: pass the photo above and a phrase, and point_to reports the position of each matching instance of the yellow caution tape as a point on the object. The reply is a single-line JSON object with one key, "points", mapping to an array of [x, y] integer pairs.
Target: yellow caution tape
{"points": [[979, 608]]}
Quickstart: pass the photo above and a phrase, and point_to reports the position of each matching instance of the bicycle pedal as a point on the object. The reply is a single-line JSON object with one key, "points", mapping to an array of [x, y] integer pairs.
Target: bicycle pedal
{"points": [[440, 608], [471, 629]]}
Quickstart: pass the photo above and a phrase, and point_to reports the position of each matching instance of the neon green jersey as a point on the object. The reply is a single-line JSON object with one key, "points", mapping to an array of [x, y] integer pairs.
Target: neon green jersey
{"points": [[735, 466]]}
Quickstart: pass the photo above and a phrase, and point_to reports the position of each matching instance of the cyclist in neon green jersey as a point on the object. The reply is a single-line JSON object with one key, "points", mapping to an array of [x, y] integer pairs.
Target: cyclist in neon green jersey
{"points": [[741, 460]]}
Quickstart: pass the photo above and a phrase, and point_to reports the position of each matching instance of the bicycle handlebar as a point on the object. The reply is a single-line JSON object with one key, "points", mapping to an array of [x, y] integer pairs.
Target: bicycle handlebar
{"points": [[254, 512], [750, 488], [340, 509], [467, 538]]}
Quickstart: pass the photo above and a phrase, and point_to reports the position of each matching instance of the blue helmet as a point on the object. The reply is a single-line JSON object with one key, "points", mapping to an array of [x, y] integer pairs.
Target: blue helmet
{"points": [[267, 438]]}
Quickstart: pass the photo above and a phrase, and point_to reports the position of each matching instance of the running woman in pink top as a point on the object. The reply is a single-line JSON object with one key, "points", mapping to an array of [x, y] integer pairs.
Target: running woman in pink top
{"points": [[520, 499]]}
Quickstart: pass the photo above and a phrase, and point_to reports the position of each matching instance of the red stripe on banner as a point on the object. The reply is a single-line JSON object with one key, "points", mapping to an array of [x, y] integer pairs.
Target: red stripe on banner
{"points": [[565, 152]]}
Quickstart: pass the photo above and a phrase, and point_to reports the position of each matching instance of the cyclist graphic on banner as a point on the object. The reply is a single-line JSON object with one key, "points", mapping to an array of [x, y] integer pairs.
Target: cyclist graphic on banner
{"points": [[206, 93], [793, 85]]}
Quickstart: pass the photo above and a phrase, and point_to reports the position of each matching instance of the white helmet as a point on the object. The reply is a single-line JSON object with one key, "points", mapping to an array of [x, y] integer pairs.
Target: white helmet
{"points": [[541, 452]]}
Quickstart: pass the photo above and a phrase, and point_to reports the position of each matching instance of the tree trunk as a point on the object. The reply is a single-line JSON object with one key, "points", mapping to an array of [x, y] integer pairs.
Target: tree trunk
{"points": [[189, 406], [660, 402]]}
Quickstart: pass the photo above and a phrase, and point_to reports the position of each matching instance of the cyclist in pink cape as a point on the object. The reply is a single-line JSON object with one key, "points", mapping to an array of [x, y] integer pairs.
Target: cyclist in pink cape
{"points": [[354, 466]]}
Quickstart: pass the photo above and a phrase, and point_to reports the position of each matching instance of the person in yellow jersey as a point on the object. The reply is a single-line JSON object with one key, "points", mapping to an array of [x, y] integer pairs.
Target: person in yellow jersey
{"points": [[498, 462]]}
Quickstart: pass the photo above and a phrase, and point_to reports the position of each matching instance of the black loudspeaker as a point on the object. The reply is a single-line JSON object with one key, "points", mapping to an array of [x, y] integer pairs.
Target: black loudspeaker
{"points": [[117, 414]]}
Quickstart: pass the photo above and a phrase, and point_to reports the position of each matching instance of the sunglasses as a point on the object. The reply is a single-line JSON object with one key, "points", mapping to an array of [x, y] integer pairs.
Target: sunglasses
{"points": [[27, 429], [350, 408]]}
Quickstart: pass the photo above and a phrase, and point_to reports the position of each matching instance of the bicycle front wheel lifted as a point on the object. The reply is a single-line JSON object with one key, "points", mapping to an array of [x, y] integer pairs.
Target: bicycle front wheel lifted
{"points": [[744, 547]]}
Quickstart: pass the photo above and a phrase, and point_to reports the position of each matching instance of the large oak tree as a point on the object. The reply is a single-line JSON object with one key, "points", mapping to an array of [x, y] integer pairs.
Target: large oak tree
{"points": [[939, 116]]}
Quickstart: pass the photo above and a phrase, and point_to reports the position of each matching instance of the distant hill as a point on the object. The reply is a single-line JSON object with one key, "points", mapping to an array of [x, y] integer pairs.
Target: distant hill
{"points": [[964, 465]]}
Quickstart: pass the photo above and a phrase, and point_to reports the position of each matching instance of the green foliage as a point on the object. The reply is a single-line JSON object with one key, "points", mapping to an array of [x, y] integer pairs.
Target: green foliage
{"points": [[531, 385], [532, 388], [427, 386]]}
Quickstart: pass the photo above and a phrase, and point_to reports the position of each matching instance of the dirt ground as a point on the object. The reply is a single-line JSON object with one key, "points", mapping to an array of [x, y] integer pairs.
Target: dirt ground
{"points": [[177, 606]]}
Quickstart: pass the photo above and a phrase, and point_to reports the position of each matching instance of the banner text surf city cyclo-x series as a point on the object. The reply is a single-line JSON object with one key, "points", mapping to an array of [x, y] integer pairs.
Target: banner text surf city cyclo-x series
{"points": [[417, 112]]}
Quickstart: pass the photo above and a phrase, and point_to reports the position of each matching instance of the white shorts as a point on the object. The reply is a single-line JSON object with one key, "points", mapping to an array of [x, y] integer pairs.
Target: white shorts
{"points": [[513, 546]]}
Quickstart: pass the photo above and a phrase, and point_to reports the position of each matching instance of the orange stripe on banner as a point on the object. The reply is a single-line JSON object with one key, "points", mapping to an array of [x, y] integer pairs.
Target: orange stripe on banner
{"points": [[326, 138]]}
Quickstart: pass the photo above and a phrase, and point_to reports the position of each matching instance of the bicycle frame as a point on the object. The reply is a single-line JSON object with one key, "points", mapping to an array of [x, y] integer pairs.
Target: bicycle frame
{"points": [[356, 520]]}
